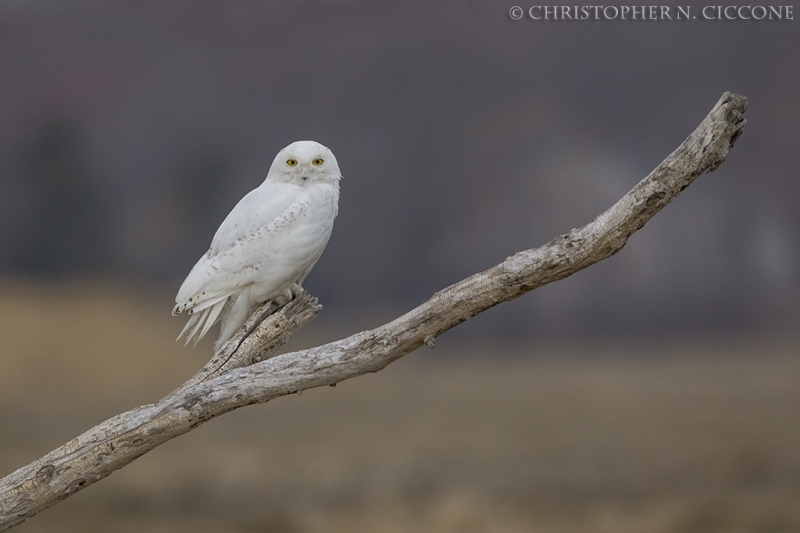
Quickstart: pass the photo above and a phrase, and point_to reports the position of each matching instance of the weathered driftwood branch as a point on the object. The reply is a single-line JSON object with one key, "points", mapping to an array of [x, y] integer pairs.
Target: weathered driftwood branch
{"points": [[259, 338], [242, 373]]}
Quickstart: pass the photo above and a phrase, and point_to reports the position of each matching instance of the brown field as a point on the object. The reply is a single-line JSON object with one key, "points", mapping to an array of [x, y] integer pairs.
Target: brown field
{"points": [[692, 436]]}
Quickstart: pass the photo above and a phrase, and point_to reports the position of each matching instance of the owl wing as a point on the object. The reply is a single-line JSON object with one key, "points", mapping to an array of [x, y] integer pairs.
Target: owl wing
{"points": [[229, 263]]}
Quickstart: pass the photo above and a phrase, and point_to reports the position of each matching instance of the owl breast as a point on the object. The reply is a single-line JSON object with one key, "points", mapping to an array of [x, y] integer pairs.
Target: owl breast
{"points": [[287, 247]]}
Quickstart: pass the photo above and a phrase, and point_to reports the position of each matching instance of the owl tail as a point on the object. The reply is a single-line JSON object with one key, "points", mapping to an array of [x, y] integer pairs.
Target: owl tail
{"points": [[200, 322]]}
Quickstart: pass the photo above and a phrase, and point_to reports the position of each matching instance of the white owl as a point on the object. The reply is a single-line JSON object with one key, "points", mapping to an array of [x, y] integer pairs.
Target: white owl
{"points": [[266, 246]]}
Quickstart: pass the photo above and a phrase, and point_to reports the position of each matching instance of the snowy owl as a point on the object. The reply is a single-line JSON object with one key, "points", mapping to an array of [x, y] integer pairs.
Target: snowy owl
{"points": [[266, 246]]}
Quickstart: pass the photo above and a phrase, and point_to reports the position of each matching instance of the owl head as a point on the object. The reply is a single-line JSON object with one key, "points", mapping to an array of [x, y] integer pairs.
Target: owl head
{"points": [[305, 163]]}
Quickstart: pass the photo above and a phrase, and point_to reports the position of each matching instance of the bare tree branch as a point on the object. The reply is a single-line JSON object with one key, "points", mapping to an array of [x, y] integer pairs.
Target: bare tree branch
{"points": [[261, 336], [243, 373]]}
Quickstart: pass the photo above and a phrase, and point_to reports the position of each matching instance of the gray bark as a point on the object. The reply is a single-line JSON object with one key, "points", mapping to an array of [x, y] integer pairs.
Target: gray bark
{"points": [[245, 371]]}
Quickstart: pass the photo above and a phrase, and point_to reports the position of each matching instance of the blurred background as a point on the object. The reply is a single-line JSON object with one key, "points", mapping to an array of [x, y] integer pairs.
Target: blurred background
{"points": [[657, 391]]}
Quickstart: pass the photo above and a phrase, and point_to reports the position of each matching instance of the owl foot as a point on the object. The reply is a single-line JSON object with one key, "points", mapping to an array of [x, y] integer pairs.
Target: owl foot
{"points": [[296, 289]]}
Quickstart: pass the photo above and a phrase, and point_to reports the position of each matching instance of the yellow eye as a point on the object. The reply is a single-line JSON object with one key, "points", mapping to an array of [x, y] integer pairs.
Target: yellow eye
{"points": [[291, 162], [317, 162]]}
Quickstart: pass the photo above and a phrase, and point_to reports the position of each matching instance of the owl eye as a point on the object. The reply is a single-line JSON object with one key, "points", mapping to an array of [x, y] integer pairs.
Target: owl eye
{"points": [[317, 162], [291, 162]]}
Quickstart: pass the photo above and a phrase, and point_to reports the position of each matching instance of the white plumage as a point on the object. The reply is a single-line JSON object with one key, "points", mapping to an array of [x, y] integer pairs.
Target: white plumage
{"points": [[266, 246]]}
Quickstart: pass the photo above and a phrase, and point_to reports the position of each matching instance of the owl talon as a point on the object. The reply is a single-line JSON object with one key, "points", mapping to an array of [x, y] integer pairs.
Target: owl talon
{"points": [[295, 289]]}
